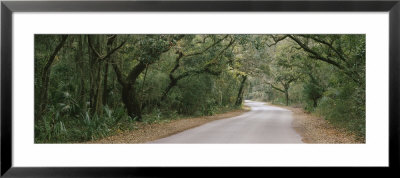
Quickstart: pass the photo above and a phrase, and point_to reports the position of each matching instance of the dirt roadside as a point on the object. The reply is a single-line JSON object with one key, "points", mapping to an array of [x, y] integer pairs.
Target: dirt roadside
{"points": [[316, 130], [313, 129], [149, 132]]}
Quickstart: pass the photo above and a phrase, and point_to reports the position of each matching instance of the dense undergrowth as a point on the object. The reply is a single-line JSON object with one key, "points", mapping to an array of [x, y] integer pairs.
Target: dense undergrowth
{"points": [[58, 128], [326, 78], [342, 107], [92, 86]]}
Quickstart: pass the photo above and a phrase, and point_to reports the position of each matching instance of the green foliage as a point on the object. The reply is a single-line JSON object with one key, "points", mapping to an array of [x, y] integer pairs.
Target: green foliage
{"points": [[55, 128], [312, 93], [165, 77], [343, 107], [85, 90], [331, 77]]}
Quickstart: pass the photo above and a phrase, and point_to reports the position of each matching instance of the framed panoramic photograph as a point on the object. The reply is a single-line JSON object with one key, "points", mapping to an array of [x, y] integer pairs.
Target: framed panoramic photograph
{"points": [[114, 88]]}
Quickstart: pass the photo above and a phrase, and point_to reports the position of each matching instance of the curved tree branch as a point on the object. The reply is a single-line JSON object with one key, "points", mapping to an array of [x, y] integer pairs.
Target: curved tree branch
{"points": [[327, 44], [314, 54]]}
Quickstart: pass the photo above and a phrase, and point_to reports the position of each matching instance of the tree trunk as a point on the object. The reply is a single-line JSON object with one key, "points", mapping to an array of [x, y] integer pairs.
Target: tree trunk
{"points": [[287, 97], [46, 77], [99, 93], [91, 75], [110, 42], [171, 84], [105, 89], [81, 68], [239, 99], [130, 100], [96, 92], [129, 95]]}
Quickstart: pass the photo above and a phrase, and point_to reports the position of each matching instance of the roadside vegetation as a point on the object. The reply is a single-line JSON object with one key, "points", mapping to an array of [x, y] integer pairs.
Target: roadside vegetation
{"points": [[88, 87], [324, 74]]}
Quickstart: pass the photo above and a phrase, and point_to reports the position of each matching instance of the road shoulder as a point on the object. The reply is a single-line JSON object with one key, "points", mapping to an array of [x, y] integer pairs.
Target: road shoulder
{"points": [[154, 131], [316, 130]]}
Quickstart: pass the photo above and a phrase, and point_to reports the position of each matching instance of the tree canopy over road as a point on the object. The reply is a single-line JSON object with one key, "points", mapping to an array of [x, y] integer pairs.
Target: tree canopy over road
{"points": [[92, 86]]}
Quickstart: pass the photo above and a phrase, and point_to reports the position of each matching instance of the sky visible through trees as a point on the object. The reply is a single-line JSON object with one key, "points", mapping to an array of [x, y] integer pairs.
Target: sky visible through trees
{"points": [[92, 86]]}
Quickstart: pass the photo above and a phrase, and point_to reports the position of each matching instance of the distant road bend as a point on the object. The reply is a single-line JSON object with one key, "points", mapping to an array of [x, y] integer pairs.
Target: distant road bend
{"points": [[263, 124]]}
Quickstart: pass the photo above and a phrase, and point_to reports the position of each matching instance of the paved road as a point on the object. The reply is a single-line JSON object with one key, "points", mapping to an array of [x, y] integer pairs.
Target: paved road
{"points": [[263, 124]]}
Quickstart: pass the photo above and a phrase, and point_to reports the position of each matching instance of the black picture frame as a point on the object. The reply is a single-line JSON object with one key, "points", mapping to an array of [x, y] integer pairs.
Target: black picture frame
{"points": [[8, 7]]}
